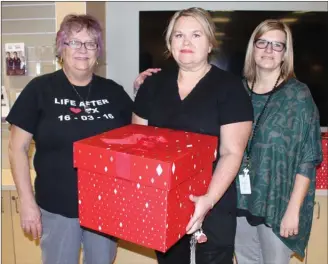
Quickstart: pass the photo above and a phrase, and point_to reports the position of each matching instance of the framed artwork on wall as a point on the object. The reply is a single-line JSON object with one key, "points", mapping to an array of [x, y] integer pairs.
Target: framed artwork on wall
{"points": [[15, 59]]}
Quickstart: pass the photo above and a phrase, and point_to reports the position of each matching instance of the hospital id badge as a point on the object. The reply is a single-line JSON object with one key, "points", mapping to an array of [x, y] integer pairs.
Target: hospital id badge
{"points": [[245, 182]]}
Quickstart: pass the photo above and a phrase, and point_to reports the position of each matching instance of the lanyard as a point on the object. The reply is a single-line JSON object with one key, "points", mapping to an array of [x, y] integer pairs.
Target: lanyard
{"points": [[256, 124]]}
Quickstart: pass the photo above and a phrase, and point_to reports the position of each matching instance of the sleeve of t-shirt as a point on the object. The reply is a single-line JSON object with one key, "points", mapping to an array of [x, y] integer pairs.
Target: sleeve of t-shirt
{"points": [[127, 106], [25, 112], [237, 106], [143, 99]]}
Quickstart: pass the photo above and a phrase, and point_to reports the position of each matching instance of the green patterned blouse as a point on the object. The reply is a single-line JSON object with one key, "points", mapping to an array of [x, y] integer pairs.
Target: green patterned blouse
{"points": [[288, 141]]}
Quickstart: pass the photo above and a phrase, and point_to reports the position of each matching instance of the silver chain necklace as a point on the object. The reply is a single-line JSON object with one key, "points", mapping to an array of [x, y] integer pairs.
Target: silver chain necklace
{"points": [[86, 108]]}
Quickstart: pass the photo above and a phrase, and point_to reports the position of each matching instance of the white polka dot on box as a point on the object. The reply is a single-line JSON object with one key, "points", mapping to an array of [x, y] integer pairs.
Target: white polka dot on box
{"points": [[134, 182], [322, 169]]}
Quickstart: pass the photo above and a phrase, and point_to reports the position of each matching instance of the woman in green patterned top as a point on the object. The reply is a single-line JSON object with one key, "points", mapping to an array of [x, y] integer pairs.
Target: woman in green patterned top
{"points": [[276, 182]]}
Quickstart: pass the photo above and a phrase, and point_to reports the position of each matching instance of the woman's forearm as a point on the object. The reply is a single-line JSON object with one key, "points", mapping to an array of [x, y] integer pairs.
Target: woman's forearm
{"points": [[21, 173], [224, 174], [138, 120], [300, 189], [233, 141]]}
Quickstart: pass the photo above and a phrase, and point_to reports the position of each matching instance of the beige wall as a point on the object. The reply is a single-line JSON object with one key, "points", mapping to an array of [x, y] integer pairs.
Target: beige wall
{"points": [[98, 10], [65, 8]]}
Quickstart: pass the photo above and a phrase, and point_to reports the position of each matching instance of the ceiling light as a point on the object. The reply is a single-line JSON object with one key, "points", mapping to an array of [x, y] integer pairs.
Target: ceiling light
{"points": [[288, 20], [221, 19]]}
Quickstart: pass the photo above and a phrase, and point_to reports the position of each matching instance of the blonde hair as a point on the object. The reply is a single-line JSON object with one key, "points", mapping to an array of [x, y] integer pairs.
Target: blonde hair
{"points": [[287, 66], [202, 16]]}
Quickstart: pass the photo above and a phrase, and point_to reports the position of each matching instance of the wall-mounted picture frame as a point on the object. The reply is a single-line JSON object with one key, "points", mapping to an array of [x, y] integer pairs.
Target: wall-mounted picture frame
{"points": [[15, 59]]}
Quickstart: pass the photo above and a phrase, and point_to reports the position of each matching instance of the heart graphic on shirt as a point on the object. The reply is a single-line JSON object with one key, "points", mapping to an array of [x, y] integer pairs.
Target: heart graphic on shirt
{"points": [[75, 110]]}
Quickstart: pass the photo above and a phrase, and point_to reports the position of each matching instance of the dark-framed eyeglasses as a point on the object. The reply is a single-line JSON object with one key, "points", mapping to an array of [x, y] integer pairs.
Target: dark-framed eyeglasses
{"points": [[76, 44], [276, 45]]}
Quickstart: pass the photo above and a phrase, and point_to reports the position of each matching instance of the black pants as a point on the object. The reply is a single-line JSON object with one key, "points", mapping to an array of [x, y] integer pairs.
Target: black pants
{"points": [[220, 229]]}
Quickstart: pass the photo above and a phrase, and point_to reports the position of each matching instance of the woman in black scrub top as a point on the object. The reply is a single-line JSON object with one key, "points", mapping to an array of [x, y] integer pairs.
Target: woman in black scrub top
{"points": [[199, 97]]}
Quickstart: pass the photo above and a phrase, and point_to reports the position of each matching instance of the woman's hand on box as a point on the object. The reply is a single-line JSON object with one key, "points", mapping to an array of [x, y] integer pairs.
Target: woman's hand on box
{"points": [[202, 205]]}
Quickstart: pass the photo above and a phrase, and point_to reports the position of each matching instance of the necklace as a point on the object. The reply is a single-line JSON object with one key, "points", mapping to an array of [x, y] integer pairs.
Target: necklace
{"points": [[256, 124], [86, 108]]}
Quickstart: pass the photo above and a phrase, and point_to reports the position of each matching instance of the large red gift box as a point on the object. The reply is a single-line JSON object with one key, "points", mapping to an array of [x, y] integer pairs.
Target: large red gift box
{"points": [[134, 182], [322, 169]]}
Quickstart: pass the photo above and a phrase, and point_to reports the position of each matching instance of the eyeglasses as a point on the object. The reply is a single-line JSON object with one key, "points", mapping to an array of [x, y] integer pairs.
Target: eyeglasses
{"points": [[276, 45], [75, 44]]}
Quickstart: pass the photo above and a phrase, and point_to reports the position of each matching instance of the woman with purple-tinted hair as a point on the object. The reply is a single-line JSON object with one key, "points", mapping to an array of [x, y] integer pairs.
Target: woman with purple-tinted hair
{"points": [[55, 110]]}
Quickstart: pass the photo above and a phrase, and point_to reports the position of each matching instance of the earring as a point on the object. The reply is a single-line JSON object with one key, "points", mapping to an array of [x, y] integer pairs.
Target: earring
{"points": [[61, 61], [97, 62]]}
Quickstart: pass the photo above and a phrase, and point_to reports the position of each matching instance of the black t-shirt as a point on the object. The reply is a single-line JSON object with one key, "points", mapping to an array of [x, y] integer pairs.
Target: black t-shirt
{"points": [[218, 99], [51, 110]]}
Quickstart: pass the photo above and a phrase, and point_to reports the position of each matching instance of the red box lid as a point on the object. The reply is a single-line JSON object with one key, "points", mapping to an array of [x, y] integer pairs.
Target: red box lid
{"points": [[152, 156]]}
